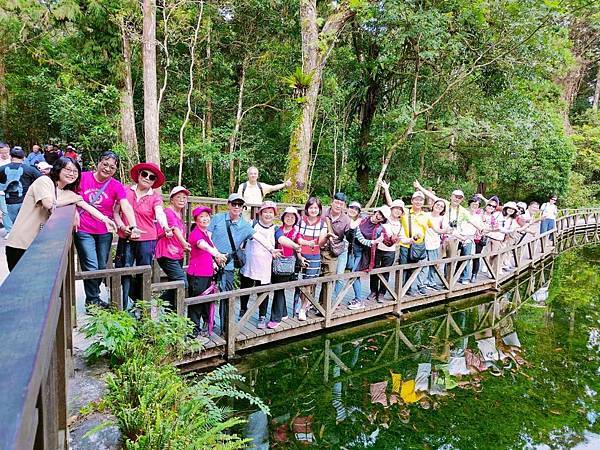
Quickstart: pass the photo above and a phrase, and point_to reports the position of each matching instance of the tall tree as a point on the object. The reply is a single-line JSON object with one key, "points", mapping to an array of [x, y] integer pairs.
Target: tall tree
{"points": [[151, 120], [316, 48]]}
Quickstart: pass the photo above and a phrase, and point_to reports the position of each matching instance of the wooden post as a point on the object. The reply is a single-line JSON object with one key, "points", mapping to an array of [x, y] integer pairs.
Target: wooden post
{"points": [[399, 274], [328, 302], [116, 292], [180, 301], [147, 285]]}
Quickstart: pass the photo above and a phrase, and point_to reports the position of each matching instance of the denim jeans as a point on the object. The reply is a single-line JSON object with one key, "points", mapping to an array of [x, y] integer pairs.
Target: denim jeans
{"points": [[545, 225], [355, 261], [342, 261], [13, 210], [433, 279], [382, 259], [130, 253], [421, 280], [173, 269], [93, 251], [5, 217], [466, 249]]}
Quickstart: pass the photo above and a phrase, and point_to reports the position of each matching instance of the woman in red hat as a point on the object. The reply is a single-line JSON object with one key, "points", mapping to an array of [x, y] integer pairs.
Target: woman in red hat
{"points": [[148, 209]]}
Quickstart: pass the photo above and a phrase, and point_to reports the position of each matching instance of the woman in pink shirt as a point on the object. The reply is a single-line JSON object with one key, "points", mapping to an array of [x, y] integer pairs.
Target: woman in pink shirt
{"points": [[92, 238], [203, 256], [170, 250], [147, 206]]}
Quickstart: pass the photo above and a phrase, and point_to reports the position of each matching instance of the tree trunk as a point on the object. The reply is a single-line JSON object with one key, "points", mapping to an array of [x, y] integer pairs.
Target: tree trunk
{"points": [[570, 84], [3, 97], [150, 83], [236, 127], [596, 90], [314, 57], [367, 113], [209, 164], [128, 133], [186, 119]]}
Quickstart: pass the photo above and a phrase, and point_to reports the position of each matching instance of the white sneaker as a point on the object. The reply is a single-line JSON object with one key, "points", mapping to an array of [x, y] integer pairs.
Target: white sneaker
{"points": [[356, 304], [302, 315]]}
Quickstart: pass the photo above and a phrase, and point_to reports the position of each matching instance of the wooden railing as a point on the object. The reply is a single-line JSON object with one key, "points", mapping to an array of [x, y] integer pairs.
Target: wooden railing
{"points": [[586, 225], [36, 301]]}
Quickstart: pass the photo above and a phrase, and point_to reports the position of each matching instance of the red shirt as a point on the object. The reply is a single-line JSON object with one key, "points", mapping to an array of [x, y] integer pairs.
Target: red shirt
{"points": [[143, 208], [201, 262]]}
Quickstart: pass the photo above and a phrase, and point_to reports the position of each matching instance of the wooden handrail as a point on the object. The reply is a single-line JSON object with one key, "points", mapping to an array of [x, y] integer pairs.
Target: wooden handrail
{"points": [[35, 332]]}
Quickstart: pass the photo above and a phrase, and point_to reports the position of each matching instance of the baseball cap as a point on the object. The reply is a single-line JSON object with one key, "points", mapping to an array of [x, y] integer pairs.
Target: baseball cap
{"points": [[458, 193], [177, 189], [235, 197]]}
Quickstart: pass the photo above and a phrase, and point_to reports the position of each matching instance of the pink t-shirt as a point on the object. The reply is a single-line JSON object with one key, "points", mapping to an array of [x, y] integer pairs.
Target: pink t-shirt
{"points": [[171, 247], [201, 262], [144, 212], [113, 193]]}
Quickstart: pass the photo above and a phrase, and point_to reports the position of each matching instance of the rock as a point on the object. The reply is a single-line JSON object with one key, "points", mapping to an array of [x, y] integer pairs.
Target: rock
{"points": [[106, 438]]}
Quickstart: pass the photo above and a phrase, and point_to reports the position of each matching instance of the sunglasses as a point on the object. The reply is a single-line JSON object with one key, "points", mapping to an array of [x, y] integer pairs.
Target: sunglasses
{"points": [[491, 204], [237, 205], [148, 175]]}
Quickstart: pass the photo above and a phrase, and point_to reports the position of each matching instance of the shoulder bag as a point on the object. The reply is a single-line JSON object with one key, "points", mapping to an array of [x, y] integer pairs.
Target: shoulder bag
{"points": [[416, 252], [238, 254]]}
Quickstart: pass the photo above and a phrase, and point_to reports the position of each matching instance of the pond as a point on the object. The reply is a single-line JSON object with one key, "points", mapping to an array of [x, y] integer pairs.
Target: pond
{"points": [[505, 370]]}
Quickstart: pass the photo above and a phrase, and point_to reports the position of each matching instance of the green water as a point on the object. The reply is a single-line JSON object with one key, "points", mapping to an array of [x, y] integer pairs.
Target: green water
{"points": [[319, 389]]}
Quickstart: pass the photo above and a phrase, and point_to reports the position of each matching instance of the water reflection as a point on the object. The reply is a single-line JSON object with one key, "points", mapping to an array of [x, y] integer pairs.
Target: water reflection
{"points": [[514, 370]]}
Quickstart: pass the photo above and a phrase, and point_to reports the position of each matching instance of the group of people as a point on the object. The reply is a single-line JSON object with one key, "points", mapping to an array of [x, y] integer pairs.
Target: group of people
{"points": [[314, 242], [19, 170]]}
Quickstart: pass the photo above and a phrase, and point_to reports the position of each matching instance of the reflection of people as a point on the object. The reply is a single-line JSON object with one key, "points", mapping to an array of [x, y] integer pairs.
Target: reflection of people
{"points": [[254, 192]]}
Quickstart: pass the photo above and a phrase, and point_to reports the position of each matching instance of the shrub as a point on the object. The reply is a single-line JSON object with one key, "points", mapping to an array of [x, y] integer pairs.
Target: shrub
{"points": [[156, 407]]}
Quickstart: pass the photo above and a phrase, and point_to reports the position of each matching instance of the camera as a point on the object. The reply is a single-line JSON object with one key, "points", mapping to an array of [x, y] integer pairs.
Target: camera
{"points": [[453, 223]]}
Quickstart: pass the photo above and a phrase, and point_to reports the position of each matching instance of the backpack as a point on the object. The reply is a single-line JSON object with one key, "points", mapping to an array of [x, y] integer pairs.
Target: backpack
{"points": [[244, 185], [13, 182]]}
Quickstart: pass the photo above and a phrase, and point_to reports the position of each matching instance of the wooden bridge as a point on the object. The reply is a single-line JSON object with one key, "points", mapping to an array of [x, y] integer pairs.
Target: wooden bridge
{"points": [[37, 314], [341, 355]]}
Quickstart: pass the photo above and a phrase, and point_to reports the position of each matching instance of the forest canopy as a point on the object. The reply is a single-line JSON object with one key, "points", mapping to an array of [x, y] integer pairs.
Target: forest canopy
{"points": [[491, 96]]}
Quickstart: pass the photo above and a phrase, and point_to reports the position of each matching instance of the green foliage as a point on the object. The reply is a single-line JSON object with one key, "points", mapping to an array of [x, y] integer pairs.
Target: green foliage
{"points": [[499, 124], [113, 334], [155, 407]]}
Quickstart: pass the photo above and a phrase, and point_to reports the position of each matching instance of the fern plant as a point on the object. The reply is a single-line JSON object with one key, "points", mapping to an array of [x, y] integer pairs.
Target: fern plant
{"points": [[155, 407]]}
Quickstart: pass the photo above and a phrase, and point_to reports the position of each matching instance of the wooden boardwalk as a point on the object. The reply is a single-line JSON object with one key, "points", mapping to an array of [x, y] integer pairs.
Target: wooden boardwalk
{"points": [[574, 229]]}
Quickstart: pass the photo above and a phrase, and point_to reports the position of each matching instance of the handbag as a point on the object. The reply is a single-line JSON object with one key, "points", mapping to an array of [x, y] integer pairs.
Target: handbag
{"points": [[416, 252], [284, 265], [238, 254]]}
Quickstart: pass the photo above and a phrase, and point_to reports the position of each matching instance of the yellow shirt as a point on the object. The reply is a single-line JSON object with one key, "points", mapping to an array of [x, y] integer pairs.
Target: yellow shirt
{"points": [[419, 223]]}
